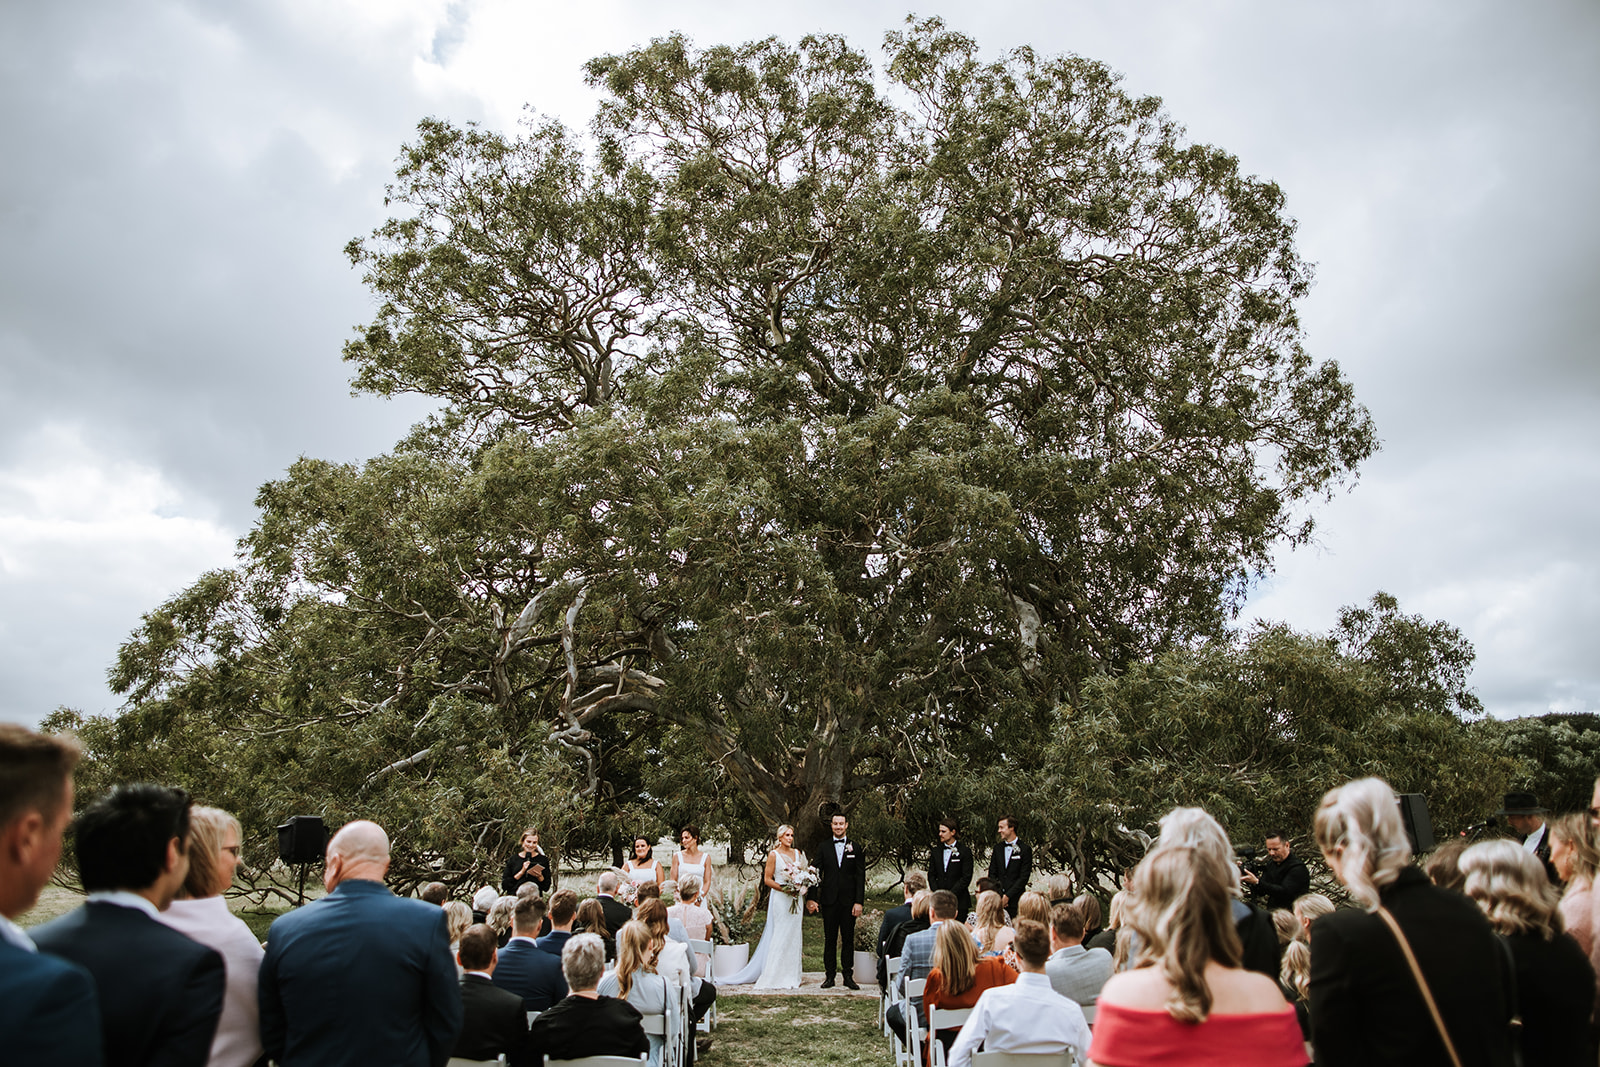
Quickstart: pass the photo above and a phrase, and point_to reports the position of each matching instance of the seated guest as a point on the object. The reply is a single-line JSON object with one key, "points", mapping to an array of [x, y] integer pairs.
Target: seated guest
{"points": [[1075, 972], [1287, 926], [694, 916], [915, 882], [916, 957], [361, 975], [585, 1023], [160, 992], [919, 921], [1107, 938], [1555, 981], [435, 893], [201, 912], [457, 917], [1190, 1000], [524, 968], [1058, 888], [528, 889], [1365, 1007], [1307, 910], [993, 928], [616, 911], [1027, 1015], [563, 911], [482, 901], [635, 980], [591, 919], [675, 962], [959, 977], [1089, 905], [499, 919], [48, 1010], [1443, 866], [493, 1020]]}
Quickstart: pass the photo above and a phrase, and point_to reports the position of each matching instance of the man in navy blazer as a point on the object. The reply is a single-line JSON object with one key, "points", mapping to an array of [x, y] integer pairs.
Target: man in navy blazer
{"points": [[160, 992], [524, 968], [563, 910], [49, 1013], [361, 976]]}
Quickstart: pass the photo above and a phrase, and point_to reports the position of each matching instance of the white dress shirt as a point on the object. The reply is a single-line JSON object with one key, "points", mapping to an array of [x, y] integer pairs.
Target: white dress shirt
{"points": [[1026, 1016], [1531, 843], [122, 898], [10, 931]]}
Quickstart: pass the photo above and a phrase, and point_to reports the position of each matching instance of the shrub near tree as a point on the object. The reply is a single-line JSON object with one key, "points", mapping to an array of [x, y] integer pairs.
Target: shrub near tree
{"points": [[809, 433]]}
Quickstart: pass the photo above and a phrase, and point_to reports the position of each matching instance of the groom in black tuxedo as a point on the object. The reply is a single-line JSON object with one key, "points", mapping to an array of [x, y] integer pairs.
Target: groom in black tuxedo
{"points": [[839, 897]]}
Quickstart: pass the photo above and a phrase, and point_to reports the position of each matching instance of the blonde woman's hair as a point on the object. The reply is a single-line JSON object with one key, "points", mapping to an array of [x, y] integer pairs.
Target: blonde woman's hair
{"points": [[1308, 909], [1576, 830], [457, 917], [635, 952], [1058, 887], [1284, 921], [1360, 822], [920, 903], [1181, 909], [1034, 907], [955, 957], [991, 918], [669, 892], [1511, 887], [1296, 969], [781, 829], [206, 829], [1119, 900], [1196, 828], [500, 915], [689, 889]]}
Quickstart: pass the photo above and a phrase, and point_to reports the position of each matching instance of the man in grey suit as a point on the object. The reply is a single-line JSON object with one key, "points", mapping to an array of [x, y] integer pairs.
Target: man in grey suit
{"points": [[1075, 972], [360, 976]]}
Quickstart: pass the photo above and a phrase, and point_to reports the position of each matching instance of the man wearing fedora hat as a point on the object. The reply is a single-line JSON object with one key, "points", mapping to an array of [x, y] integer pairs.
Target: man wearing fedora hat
{"points": [[1526, 819]]}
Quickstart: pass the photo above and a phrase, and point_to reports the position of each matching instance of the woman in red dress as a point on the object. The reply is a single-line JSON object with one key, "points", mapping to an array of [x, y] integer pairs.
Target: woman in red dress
{"points": [[1188, 1000], [959, 977]]}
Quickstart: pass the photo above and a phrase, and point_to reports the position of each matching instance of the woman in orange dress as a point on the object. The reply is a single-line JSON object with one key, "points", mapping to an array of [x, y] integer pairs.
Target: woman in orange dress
{"points": [[959, 977]]}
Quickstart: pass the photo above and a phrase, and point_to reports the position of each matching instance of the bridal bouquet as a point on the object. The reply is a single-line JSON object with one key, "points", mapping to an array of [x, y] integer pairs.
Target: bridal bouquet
{"points": [[628, 892], [796, 882]]}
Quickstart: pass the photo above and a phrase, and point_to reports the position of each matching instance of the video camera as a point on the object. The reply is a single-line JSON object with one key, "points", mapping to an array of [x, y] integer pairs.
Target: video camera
{"points": [[1247, 857]]}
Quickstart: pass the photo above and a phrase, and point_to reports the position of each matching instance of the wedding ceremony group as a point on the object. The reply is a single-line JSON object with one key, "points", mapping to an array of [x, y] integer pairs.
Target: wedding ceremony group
{"points": [[1479, 953]]}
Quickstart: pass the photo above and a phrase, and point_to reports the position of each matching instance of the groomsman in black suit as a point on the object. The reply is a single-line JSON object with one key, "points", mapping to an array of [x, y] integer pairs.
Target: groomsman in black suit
{"points": [[950, 866], [48, 1010], [839, 897], [1011, 865], [160, 992]]}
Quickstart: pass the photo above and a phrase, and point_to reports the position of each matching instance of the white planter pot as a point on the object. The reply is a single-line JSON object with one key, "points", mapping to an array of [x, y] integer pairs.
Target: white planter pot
{"points": [[866, 969], [730, 959]]}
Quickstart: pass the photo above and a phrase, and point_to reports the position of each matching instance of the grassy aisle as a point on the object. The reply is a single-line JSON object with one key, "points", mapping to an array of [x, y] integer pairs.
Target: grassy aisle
{"points": [[767, 1030]]}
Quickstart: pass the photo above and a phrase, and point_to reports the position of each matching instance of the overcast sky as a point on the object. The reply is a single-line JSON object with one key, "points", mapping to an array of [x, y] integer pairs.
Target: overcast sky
{"points": [[179, 179]]}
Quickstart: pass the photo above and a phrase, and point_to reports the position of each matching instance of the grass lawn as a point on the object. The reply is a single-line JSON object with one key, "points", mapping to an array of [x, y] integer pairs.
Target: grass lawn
{"points": [[767, 1030]]}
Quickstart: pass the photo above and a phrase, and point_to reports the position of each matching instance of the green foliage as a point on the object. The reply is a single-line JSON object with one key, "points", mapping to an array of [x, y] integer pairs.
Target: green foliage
{"points": [[1255, 731], [1557, 757], [806, 442]]}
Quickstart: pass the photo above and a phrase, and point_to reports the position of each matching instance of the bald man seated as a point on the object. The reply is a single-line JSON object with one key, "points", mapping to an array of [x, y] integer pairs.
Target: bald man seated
{"points": [[361, 976]]}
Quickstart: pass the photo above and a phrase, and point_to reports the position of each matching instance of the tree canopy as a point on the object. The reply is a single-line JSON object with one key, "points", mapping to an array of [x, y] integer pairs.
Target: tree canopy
{"points": [[811, 430]]}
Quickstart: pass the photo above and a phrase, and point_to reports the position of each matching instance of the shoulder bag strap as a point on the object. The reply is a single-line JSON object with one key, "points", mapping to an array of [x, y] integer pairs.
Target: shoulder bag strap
{"points": [[1422, 984]]}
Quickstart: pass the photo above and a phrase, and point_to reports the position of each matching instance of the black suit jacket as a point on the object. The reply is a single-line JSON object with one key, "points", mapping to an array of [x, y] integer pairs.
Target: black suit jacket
{"points": [[160, 992], [957, 877], [360, 976], [1281, 884], [538, 873], [616, 913], [493, 1021], [49, 1015], [579, 1027], [1365, 1006], [1013, 877], [842, 886], [891, 919], [1555, 993]]}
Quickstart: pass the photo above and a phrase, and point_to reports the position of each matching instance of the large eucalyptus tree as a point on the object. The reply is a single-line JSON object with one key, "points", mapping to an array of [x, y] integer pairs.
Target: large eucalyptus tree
{"points": [[808, 423]]}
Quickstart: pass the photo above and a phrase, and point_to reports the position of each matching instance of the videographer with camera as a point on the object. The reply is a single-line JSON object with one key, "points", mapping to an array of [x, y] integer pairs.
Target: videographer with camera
{"points": [[1280, 881]]}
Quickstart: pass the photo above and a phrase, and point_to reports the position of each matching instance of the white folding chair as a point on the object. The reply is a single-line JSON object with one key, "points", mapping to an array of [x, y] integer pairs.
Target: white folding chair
{"points": [[1064, 1058], [944, 1019], [892, 966], [704, 948], [656, 1026], [599, 1061], [907, 1053], [457, 1061], [1088, 1013]]}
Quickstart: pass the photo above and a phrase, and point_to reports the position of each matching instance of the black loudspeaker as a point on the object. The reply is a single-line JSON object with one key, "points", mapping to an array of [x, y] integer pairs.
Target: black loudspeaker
{"points": [[303, 839], [1419, 828]]}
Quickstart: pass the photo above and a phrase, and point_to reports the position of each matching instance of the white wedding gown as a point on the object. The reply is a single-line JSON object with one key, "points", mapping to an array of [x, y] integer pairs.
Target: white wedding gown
{"points": [[776, 963]]}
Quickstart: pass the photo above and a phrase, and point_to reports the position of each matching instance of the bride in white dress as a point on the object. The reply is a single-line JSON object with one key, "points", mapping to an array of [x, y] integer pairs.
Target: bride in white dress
{"points": [[776, 963]]}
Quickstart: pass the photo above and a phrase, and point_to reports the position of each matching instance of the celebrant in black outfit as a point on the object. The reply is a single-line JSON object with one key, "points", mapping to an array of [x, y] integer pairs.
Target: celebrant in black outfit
{"points": [[839, 898], [527, 865]]}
